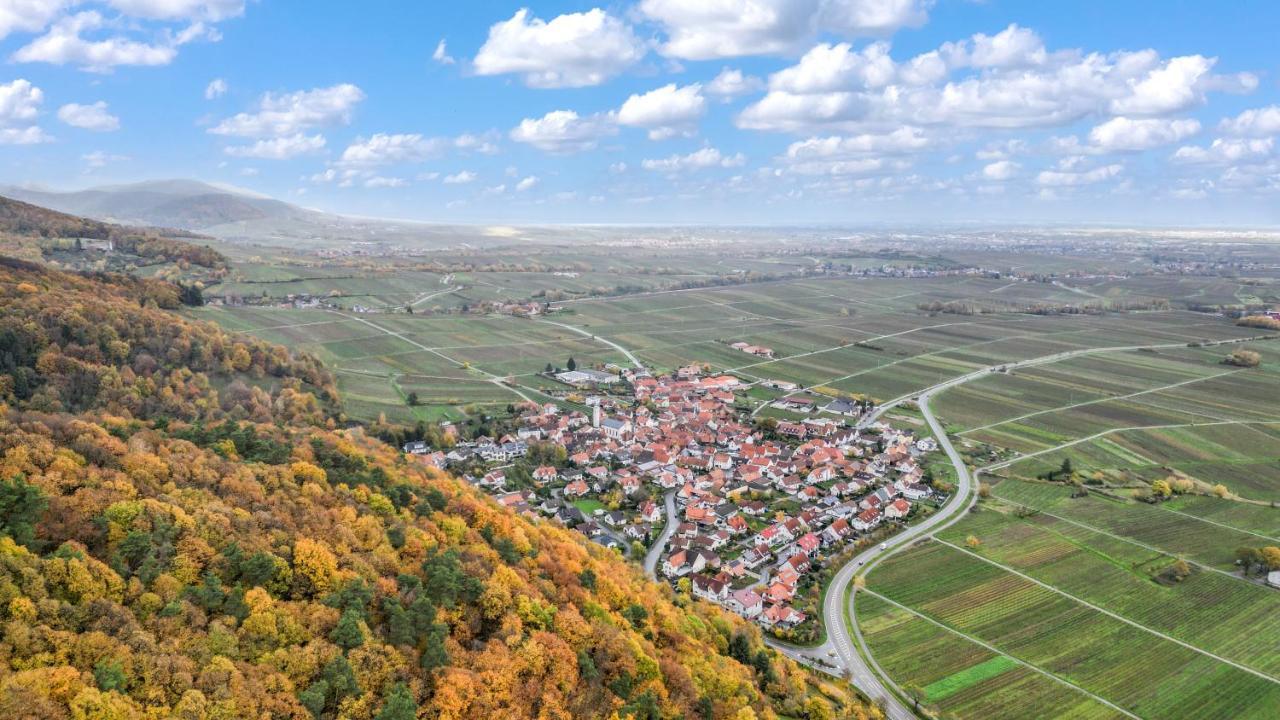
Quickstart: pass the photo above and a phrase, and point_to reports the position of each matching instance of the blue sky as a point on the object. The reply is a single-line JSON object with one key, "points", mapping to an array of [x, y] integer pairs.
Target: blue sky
{"points": [[661, 111]]}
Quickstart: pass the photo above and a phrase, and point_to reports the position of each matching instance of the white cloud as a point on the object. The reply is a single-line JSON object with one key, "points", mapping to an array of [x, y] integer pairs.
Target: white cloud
{"points": [[573, 50], [1008, 80], [902, 140], [378, 181], [1002, 150], [732, 83], [667, 111], [441, 55], [19, 107], [460, 178], [281, 148], [93, 117], [1260, 122], [563, 131], [698, 160], [1228, 151], [1056, 178], [1000, 170], [289, 113], [1127, 134], [1173, 86], [1010, 48], [384, 149], [528, 183], [212, 10], [64, 44], [731, 28], [28, 15], [485, 144], [215, 89], [99, 159]]}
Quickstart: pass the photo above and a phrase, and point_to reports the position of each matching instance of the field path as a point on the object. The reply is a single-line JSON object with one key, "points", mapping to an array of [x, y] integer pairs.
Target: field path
{"points": [[634, 360], [495, 379], [1064, 408], [1013, 461], [1144, 546], [1110, 614]]}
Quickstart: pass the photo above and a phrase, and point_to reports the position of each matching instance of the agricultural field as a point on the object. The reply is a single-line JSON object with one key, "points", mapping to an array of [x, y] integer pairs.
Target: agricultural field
{"points": [[959, 677], [1111, 654], [852, 335]]}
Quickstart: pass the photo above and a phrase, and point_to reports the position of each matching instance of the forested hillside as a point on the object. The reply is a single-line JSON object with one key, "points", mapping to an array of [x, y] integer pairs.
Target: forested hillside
{"points": [[185, 532], [32, 232]]}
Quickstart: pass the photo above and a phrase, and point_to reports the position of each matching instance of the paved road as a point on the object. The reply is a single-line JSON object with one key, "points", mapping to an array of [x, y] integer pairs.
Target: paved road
{"points": [[840, 650], [655, 550], [844, 640], [634, 360]]}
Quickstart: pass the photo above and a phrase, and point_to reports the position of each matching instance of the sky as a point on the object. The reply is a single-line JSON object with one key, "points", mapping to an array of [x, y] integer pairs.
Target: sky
{"points": [[760, 112]]}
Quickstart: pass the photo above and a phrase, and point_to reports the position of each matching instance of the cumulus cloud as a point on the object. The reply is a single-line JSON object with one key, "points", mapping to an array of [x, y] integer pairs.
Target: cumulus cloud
{"points": [[28, 15], [856, 154], [563, 131], [464, 177], [527, 183], [1259, 122], [1010, 48], [1126, 134], [1007, 80], [732, 83], [93, 117], [572, 50], [1059, 178], [732, 28], [1229, 151], [277, 115], [1000, 170], [19, 107], [666, 112], [384, 149], [281, 148], [698, 160], [377, 181], [485, 144], [215, 89], [65, 44], [441, 55]]}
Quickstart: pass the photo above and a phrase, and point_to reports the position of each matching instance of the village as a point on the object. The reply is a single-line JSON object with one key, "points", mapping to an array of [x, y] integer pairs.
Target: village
{"points": [[674, 474]]}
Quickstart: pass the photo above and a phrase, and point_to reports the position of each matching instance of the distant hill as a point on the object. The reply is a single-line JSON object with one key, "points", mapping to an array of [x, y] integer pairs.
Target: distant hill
{"points": [[186, 204], [33, 232]]}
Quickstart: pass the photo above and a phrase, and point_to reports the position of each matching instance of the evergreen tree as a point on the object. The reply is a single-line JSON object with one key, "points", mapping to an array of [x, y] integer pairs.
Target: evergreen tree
{"points": [[347, 633], [399, 705], [572, 364]]}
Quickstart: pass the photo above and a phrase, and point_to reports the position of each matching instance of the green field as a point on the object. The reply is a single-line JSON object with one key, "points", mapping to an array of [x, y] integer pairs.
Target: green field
{"points": [[1122, 662]]}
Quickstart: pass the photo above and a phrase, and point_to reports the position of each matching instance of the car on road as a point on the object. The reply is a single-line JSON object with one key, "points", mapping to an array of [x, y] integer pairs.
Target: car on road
{"points": [[884, 546]]}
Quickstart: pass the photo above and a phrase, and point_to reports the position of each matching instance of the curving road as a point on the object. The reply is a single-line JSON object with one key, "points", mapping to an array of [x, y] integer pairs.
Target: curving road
{"points": [[655, 550], [634, 360], [845, 653]]}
